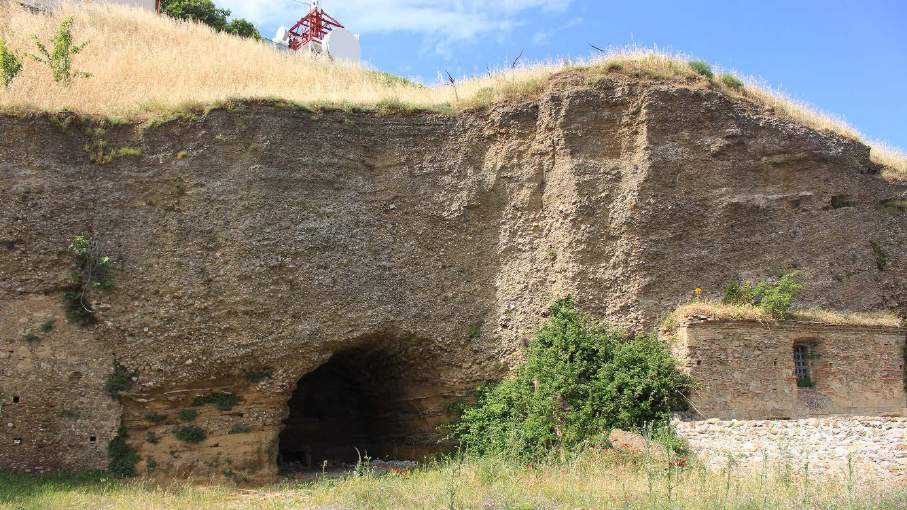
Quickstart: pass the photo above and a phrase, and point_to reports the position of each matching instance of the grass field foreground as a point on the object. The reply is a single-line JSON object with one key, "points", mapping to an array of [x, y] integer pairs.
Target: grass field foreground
{"points": [[595, 480]]}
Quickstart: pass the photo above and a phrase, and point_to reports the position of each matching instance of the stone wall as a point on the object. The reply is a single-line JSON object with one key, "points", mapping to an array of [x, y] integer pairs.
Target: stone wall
{"points": [[745, 370], [838, 445], [54, 411]]}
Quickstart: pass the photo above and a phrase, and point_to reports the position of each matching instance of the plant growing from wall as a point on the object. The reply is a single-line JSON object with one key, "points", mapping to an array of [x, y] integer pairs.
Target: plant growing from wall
{"points": [[59, 59], [220, 400], [256, 376], [92, 272], [118, 381], [579, 381], [773, 295], [10, 64], [880, 255], [190, 434], [188, 415], [121, 458], [155, 418]]}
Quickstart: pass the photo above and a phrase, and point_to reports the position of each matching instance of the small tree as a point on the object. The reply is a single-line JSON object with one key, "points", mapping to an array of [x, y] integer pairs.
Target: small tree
{"points": [[10, 64], [60, 59], [206, 12], [243, 28]]}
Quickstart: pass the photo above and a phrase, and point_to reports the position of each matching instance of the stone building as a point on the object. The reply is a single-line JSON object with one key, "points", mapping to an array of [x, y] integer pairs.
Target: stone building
{"points": [[754, 370]]}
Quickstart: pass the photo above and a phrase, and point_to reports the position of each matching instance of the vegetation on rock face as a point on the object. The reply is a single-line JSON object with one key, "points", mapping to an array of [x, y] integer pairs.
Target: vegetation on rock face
{"points": [[92, 271], [190, 434], [220, 400], [579, 381], [121, 458], [773, 295], [118, 381]]}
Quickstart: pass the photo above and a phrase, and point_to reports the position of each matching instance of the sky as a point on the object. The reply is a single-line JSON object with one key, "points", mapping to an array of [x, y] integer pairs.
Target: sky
{"points": [[848, 58]]}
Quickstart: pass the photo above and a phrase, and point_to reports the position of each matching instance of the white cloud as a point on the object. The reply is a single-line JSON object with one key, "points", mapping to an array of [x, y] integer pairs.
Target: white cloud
{"points": [[440, 21]]}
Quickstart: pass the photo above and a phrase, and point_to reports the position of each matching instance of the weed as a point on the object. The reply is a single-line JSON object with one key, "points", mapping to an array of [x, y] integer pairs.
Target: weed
{"points": [[188, 415], [70, 414], [240, 428], [60, 60], [900, 205], [150, 464], [31, 338], [182, 155], [881, 257], [118, 381], [475, 330], [805, 382], [732, 82], [121, 458], [151, 437], [155, 418], [91, 271], [774, 296], [10, 64], [256, 376], [222, 401], [47, 326], [190, 434], [703, 69]]}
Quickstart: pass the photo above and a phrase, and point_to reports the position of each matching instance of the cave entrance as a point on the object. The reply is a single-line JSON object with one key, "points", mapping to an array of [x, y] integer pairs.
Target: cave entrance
{"points": [[369, 400]]}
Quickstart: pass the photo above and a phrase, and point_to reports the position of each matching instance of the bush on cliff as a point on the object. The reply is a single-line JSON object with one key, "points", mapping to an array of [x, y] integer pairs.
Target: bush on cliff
{"points": [[579, 381], [773, 295]]}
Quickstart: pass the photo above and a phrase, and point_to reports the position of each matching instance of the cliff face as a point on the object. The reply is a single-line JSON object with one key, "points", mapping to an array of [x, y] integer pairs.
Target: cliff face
{"points": [[409, 254]]}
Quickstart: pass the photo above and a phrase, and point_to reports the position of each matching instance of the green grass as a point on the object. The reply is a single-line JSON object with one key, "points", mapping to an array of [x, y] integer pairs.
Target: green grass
{"points": [[596, 480]]}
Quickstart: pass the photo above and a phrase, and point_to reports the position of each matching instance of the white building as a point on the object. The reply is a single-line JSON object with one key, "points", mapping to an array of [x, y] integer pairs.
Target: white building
{"points": [[151, 5]]}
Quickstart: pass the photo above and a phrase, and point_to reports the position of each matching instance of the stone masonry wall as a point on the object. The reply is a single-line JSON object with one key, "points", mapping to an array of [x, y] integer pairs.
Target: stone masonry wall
{"points": [[745, 370], [836, 445]]}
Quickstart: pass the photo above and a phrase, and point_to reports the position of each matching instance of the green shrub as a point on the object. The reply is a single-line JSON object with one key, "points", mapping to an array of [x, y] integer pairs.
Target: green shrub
{"points": [[775, 295], [188, 415], [222, 401], [475, 331], [155, 418], [880, 255], [151, 437], [190, 434], [121, 458], [47, 326], [732, 82], [118, 381], [579, 381], [256, 376], [10, 64], [60, 59], [240, 428], [31, 338], [703, 69]]}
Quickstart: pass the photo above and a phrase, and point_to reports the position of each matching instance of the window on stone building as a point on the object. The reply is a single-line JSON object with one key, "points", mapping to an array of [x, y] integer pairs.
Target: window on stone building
{"points": [[802, 355]]}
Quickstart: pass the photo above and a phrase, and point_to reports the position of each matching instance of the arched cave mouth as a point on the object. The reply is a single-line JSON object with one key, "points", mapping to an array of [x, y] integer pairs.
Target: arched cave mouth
{"points": [[376, 401]]}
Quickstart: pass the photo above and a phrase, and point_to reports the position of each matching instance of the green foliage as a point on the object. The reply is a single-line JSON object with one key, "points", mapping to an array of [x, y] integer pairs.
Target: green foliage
{"points": [[118, 381], [155, 418], [388, 79], [10, 64], [805, 382], [222, 401], [256, 376], [151, 464], [242, 28], [204, 11], [47, 326], [579, 381], [475, 330], [60, 59], [240, 428], [703, 69], [151, 437], [31, 338], [880, 256], [732, 82], [190, 434], [121, 458], [92, 271], [70, 414], [773, 295], [188, 415]]}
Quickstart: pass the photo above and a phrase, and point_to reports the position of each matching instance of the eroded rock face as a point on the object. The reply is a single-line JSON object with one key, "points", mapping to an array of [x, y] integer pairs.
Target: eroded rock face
{"points": [[270, 240]]}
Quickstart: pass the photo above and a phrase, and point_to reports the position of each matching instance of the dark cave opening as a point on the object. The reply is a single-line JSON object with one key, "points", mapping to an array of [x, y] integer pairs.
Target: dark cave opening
{"points": [[362, 399]]}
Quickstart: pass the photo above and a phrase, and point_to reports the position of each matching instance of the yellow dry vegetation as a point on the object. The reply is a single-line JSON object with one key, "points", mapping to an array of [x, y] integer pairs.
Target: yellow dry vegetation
{"points": [[144, 66], [717, 310]]}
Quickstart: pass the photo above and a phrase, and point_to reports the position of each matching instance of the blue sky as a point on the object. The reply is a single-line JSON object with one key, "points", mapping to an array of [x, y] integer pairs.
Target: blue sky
{"points": [[848, 58]]}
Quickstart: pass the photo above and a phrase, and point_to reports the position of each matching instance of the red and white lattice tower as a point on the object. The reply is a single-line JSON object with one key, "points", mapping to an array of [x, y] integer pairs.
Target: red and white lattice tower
{"points": [[319, 33]]}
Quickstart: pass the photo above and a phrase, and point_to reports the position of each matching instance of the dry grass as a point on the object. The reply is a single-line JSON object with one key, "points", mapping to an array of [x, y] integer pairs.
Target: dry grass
{"points": [[595, 480], [716, 310], [146, 66]]}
